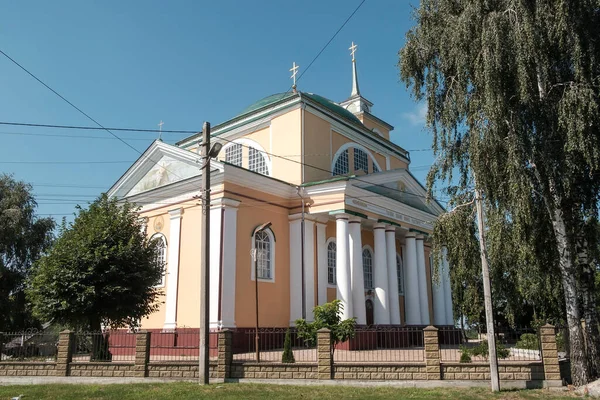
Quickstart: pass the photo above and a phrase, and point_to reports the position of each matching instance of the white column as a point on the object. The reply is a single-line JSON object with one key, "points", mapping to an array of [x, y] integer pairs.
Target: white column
{"points": [[342, 265], [295, 270], [439, 299], [309, 268], [322, 267], [394, 306], [412, 305], [447, 291], [228, 269], [356, 272], [214, 264], [173, 269], [423, 298], [380, 277]]}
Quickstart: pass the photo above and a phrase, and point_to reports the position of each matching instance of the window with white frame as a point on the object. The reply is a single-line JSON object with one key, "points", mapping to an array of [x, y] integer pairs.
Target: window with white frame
{"points": [[368, 268], [400, 272], [233, 154], [263, 245], [331, 260], [361, 161], [161, 256], [342, 167], [257, 162]]}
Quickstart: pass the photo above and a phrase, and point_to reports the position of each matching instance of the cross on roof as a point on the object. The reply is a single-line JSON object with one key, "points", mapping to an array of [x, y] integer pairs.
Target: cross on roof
{"points": [[352, 50], [294, 71], [160, 124]]}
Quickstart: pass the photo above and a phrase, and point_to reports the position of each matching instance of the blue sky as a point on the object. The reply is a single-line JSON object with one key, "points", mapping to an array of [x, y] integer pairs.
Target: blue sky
{"points": [[135, 63]]}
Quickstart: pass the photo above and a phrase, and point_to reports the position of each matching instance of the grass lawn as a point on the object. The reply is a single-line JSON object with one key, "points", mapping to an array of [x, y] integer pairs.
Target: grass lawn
{"points": [[182, 390]]}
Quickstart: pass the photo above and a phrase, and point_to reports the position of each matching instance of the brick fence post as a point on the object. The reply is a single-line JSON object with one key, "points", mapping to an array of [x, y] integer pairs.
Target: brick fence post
{"points": [[142, 354], [550, 355], [225, 354], [64, 354], [432, 353], [324, 359]]}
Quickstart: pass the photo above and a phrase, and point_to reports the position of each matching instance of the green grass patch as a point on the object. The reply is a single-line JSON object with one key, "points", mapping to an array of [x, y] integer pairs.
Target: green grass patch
{"points": [[186, 390]]}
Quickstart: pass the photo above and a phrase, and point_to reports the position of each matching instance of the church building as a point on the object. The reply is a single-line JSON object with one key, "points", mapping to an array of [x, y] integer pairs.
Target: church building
{"points": [[346, 218]]}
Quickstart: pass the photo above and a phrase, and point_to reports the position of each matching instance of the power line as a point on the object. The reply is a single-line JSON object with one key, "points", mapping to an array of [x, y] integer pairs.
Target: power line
{"points": [[68, 136], [99, 128], [65, 162]]}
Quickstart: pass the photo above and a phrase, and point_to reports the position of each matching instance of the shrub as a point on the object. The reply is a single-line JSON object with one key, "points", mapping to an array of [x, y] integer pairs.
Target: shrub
{"points": [[288, 354], [464, 354], [528, 341], [482, 350]]}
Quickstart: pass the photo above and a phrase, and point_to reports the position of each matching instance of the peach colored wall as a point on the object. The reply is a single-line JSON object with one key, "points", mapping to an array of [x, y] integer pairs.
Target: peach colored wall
{"points": [[274, 298], [317, 152], [331, 294], [287, 142], [188, 293], [370, 124], [396, 163]]}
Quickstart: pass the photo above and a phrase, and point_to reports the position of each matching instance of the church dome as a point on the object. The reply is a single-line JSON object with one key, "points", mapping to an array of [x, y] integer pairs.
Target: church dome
{"points": [[323, 101]]}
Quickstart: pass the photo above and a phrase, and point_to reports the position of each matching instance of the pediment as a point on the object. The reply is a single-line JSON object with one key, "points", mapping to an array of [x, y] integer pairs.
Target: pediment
{"points": [[160, 165]]}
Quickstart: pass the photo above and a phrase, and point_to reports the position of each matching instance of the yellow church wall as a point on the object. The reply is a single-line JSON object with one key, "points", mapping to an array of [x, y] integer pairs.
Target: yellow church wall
{"points": [[262, 137], [380, 160], [396, 163], [371, 124], [317, 153], [286, 133], [337, 141], [331, 294], [274, 299], [188, 293]]}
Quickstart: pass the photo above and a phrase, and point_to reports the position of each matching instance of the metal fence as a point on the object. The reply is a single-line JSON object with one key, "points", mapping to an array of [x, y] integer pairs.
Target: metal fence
{"points": [[180, 346], [271, 345], [466, 346], [377, 344], [29, 345], [106, 346]]}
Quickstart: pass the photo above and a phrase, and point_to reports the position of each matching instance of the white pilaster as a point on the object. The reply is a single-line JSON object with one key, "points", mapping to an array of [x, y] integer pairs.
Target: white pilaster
{"points": [[439, 308], [394, 306], [322, 263], [447, 290], [295, 270], [173, 269], [423, 298], [214, 264], [228, 269], [309, 268], [342, 266], [356, 272], [380, 277], [412, 305]]}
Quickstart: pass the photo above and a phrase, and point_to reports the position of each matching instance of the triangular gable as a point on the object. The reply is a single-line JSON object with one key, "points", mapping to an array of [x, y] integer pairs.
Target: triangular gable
{"points": [[160, 165]]}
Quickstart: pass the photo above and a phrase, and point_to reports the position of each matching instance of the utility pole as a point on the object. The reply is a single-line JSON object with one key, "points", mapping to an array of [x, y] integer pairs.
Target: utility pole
{"points": [[487, 293], [205, 152]]}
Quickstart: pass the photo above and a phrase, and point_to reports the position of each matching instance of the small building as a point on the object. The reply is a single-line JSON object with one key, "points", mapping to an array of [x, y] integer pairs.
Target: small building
{"points": [[348, 219]]}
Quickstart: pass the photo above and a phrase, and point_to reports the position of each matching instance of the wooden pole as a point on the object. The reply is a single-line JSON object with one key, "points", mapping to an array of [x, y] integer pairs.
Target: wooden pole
{"points": [[203, 368], [487, 294]]}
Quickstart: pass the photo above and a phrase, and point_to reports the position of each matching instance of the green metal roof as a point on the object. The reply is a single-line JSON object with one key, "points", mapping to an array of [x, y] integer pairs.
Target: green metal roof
{"points": [[330, 105]]}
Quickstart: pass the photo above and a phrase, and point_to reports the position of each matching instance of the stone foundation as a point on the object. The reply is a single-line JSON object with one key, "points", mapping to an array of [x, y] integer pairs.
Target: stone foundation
{"points": [[274, 371], [380, 372], [28, 369], [522, 371]]}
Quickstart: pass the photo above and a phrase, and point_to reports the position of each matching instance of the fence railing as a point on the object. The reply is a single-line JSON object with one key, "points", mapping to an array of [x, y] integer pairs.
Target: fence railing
{"points": [[271, 346], [522, 344], [29, 345], [180, 346], [110, 345], [387, 344]]}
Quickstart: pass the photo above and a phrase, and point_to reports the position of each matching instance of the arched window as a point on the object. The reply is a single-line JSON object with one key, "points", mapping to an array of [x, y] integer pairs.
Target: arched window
{"points": [[400, 272], [233, 154], [263, 244], [257, 162], [161, 255], [368, 268], [375, 167], [331, 260], [342, 166], [361, 161]]}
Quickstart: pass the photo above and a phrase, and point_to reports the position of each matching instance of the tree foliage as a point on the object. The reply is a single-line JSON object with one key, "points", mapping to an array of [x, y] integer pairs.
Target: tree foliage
{"points": [[23, 238], [287, 357], [328, 315], [101, 270], [512, 93]]}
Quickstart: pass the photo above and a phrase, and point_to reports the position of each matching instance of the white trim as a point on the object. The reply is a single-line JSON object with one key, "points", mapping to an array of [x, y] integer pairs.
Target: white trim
{"points": [[351, 162], [171, 297], [269, 233], [331, 239], [165, 257], [322, 267], [247, 143], [228, 282], [377, 131]]}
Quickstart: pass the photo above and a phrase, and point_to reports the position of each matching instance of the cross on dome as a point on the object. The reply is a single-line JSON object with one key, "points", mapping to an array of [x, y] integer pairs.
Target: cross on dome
{"points": [[353, 50], [294, 71]]}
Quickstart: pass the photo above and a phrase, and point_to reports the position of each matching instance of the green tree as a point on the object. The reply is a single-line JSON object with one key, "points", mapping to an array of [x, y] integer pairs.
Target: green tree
{"points": [[101, 270], [328, 315], [23, 238], [512, 89], [288, 354]]}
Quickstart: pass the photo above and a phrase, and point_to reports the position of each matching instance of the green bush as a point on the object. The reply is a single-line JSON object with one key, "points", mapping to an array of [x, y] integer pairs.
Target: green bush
{"points": [[288, 354], [528, 341], [482, 350], [464, 354]]}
